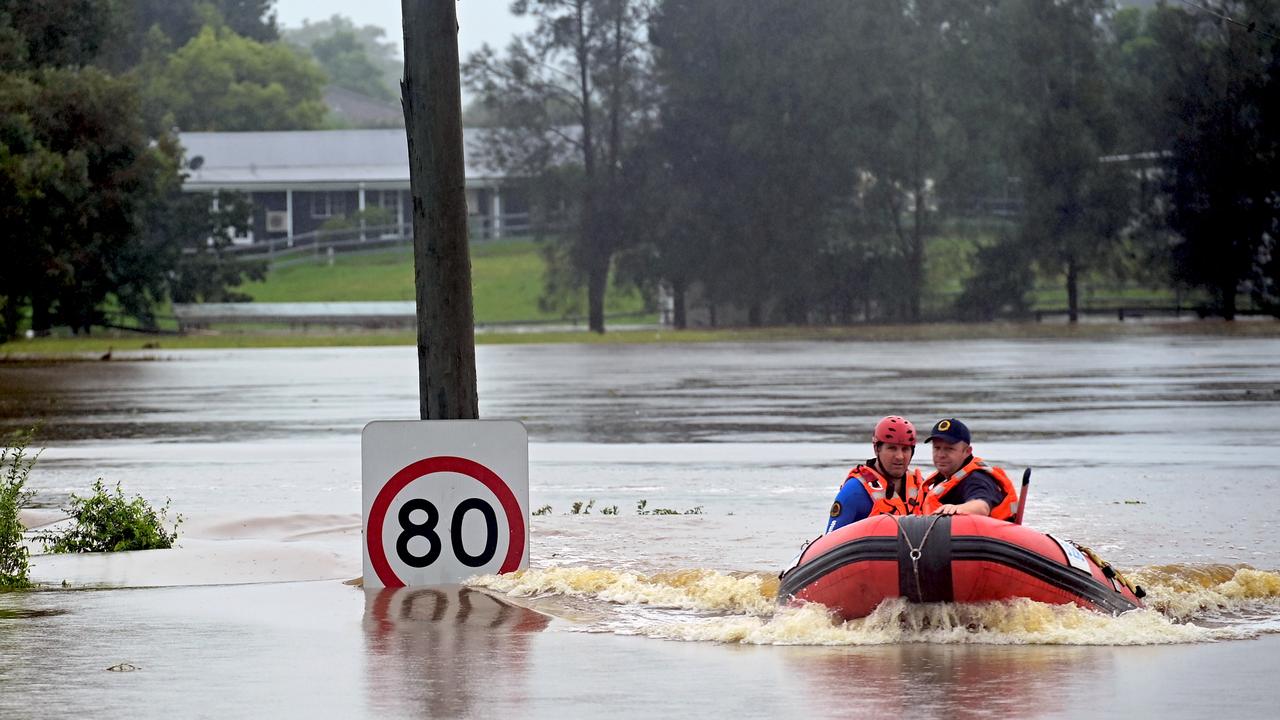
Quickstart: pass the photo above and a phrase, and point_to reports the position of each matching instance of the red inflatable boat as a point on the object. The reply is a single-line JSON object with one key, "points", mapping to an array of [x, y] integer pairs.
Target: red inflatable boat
{"points": [[961, 558]]}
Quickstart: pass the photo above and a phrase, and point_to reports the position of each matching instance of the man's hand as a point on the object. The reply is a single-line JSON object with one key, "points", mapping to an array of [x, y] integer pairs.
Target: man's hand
{"points": [[973, 507]]}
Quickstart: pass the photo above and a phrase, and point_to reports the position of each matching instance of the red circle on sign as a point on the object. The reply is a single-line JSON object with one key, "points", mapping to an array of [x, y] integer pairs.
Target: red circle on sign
{"points": [[442, 463]]}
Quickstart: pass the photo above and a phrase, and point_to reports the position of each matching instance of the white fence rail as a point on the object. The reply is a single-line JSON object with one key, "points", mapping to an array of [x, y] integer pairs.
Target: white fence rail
{"points": [[311, 246]]}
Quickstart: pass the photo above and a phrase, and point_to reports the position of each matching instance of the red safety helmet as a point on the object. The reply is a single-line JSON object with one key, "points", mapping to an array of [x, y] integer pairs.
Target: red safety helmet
{"points": [[895, 429]]}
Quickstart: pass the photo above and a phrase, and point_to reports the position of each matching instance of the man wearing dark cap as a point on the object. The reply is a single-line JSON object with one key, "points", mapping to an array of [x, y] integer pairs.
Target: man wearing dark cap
{"points": [[964, 484]]}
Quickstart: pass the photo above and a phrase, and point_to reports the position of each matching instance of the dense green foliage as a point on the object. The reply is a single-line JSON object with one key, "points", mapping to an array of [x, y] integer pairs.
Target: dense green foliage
{"points": [[222, 81], [356, 58], [571, 100], [15, 466], [1218, 86], [91, 174], [795, 160], [109, 522], [76, 178]]}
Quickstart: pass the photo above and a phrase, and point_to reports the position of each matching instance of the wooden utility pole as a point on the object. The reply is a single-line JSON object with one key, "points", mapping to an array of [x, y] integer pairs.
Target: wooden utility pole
{"points": [[432, 98]]}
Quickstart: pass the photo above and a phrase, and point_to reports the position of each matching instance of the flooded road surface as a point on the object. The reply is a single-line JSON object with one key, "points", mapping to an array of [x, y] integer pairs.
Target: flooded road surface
{"points": [[1158, 452], [323, 650]]}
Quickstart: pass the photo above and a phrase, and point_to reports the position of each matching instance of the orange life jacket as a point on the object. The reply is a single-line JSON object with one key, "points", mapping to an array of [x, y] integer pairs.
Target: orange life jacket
{"points": [[936, 487], [906, 503]]}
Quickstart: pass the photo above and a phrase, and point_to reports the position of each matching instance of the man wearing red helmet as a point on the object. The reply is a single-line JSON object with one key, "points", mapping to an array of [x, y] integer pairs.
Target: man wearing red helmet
{"points": [[964, 484], [884, 485]]}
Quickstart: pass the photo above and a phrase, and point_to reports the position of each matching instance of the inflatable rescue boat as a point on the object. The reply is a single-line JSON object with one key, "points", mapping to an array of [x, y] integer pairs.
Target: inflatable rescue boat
{"points": [[957, 558]]}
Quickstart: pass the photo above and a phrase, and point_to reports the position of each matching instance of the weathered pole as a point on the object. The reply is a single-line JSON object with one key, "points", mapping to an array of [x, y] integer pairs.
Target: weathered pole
{"points": [[432, 98]]}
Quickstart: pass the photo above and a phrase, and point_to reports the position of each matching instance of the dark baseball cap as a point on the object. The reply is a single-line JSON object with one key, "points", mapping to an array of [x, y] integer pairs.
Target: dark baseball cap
{"points": [[951, 430]]}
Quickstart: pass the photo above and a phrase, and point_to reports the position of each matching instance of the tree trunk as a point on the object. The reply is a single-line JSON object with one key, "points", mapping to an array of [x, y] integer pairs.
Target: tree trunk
{"points": [[915, 262], [591, 240], [1073, 292], [40, 316], [432, 99], [915, 255], [597, 282], [1228, 293], [679, 319], [10, 318]]}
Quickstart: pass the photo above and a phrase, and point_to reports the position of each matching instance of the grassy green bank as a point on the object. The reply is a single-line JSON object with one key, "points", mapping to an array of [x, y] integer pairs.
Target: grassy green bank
{"points": [[506, 280]]}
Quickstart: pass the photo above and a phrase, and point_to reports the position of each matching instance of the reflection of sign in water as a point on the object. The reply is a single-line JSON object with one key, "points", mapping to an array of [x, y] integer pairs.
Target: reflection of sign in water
{"points": [[451, 649], [443, 500], [445, 610]]}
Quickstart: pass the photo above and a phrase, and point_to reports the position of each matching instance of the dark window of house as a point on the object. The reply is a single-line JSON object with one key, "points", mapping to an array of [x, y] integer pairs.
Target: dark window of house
{"points": [[328, 204]]}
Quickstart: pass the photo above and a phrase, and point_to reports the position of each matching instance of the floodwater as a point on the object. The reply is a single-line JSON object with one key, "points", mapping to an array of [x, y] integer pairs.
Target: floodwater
{"points": [[1157, 451]]}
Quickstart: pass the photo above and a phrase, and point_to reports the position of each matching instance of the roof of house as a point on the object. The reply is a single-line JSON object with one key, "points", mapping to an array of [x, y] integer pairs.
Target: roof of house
{"points": [[297, 159]]}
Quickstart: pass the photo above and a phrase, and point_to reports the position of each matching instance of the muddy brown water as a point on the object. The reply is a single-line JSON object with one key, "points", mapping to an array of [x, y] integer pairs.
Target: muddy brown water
{"points": [[1159, 452]]}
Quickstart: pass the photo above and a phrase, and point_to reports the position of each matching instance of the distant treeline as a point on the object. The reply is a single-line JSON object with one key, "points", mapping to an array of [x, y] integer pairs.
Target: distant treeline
{"points": [[795, 161], [798, 160]]}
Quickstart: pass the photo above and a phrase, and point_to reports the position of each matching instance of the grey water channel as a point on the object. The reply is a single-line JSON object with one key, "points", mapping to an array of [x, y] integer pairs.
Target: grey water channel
{"points": [[1158, 450]]}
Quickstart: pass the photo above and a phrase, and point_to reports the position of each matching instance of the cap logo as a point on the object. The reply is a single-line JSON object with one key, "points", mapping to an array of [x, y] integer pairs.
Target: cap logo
{"points": [[944, 425]]}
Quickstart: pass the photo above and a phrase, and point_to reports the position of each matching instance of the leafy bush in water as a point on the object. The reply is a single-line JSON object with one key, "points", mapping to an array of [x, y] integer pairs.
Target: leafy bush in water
{"points": [[15, 466], [108, 522]]}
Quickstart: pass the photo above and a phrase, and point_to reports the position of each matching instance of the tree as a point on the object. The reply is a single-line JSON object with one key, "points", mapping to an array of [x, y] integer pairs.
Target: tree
{"points": [[90, 201], [253, 19], [182, 250], [665, 227], [920, 120], [1064, 123], [1137, 65], [77, 174], [222, 81], [571, 93], [356, 58], [55, 32], [167, 24], [1221, 123], [766, 116], [347, 64]]}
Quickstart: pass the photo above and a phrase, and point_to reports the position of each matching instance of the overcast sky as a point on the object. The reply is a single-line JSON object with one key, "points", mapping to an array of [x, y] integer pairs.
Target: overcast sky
{"points": [[480, 21]]}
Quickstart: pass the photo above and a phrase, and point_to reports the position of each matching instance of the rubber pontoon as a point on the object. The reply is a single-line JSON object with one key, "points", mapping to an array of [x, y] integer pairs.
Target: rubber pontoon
{"points": [[961, 558]]}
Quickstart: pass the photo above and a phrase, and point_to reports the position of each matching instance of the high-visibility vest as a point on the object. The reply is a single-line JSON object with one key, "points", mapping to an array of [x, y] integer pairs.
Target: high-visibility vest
{"points": [[905, 503], [936, 488]]}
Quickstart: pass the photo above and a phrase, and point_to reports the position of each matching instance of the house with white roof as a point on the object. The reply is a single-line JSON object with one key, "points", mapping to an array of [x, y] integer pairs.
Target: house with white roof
{"points": [[299, 179]]}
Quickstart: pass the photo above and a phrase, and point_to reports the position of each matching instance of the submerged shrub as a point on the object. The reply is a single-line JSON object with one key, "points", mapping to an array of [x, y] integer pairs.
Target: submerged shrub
{"points": [[15, 466], [108, 522], [642, 508]]}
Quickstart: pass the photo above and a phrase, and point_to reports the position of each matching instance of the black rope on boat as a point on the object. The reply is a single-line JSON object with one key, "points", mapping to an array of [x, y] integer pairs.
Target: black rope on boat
{"points": [[915, 552]]}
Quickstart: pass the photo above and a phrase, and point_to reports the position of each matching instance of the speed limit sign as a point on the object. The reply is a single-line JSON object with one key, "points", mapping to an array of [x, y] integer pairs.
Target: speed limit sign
{"points": [[443, 500]]}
